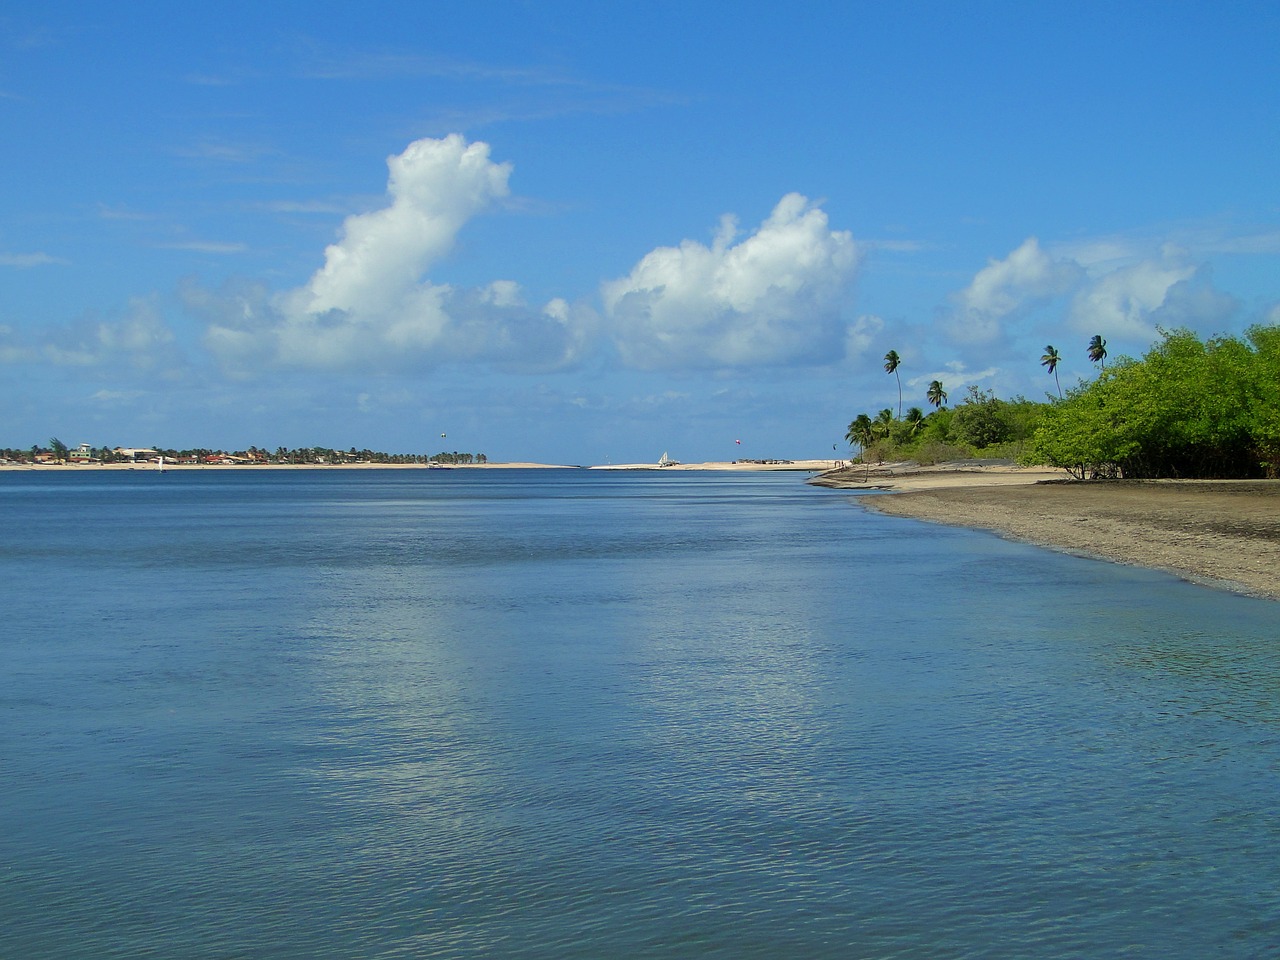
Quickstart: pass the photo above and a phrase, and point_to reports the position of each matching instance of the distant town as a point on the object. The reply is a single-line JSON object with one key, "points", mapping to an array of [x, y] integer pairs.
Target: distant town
{"points": [[59, 453]]}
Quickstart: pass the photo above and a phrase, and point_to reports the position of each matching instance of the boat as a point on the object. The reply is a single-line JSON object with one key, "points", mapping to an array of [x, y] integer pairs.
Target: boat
{"points": [[666, 461]]}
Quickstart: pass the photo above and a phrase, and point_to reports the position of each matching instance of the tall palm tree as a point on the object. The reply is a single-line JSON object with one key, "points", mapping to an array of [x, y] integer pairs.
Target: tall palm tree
{"points": [[1098, 350], [936, 395], [1050, 362], [891, 361]]}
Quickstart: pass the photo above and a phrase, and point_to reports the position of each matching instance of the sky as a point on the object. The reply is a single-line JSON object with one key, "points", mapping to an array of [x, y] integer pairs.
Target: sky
{"points": [[591, 232]]}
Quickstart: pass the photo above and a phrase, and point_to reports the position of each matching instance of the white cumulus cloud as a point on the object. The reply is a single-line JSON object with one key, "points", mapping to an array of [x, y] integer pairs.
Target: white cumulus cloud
{"points": [[1113, 287], [372, 305], [774, 296], [1121, 303], [1003, 289]]}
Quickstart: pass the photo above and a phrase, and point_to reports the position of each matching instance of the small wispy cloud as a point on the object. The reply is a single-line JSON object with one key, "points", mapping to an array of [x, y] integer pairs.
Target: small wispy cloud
{"points": [[323, 207], [31, 38], [121, 212], [1197, 239], [139, 339], [549, 105], [1245, 243], [954, 375], [25, 261], [528, 93], [115, 397], [320, 61], [206, 246], [223, 152], [210, 80], [893, 246]]}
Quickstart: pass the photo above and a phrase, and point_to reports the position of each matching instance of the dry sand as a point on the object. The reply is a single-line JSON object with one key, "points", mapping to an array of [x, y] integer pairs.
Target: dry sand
{"points": [[1225, 533]]}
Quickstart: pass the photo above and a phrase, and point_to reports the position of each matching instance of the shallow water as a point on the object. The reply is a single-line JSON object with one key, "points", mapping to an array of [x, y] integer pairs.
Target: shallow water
{"points": [[584, 714]]}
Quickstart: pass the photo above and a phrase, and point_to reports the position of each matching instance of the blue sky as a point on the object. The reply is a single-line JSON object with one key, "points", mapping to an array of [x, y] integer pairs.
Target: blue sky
{"points": [[594, 232]]}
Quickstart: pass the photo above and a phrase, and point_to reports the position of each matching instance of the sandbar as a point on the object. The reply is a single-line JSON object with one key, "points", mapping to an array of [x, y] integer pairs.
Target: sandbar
{"points": [[748, 466], [1223, 533]]}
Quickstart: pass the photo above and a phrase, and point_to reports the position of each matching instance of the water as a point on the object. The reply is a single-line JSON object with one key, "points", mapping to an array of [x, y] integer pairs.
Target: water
{"points": [[582, 714]]}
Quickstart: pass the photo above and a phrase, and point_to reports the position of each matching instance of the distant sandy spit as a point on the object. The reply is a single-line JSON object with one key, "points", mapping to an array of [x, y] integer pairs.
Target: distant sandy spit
{"points": [[1224, 533], [187, 467], [743, 466], [809, 466]]}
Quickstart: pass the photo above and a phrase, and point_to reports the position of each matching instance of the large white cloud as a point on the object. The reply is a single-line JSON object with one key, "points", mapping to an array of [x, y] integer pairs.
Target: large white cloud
{"points": [[1121, 303], [1116, 288], [1004, 289], [371, 304], [772, 297]]}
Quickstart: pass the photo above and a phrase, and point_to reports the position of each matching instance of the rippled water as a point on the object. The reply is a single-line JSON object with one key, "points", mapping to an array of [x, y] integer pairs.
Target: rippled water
{"points": [[586, 714]]}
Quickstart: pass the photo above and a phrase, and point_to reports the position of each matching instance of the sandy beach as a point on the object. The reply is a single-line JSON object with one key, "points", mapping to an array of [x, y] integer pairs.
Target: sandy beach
{"points": [[1224, 533]]}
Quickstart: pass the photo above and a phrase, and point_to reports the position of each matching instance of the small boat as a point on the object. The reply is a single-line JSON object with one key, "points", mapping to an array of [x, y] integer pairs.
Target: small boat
{"points": [[160, 464], [666, 461]]}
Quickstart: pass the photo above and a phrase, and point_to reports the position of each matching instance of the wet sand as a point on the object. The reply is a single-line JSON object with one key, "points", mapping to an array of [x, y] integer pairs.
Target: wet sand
{"points": [[1225, 533]]}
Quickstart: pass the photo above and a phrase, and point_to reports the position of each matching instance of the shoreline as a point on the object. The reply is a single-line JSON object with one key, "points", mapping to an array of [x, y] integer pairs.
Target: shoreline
{"points": [[1219, 533]]}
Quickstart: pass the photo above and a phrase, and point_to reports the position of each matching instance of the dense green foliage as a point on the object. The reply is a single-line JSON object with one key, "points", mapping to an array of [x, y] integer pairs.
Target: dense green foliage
{"points": [[980, 425], [1189, 408]]}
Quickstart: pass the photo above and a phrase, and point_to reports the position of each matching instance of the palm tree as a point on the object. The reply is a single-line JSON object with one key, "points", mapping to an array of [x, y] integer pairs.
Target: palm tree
{"points": [[862, 432], [936, 395], [1098, 350], [1050, 362], [884, 422], [915, 419], [891, 361]]}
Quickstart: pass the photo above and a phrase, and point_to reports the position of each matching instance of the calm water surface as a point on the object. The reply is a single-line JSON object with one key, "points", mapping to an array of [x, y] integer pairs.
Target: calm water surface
{"points": [[586, 714]]}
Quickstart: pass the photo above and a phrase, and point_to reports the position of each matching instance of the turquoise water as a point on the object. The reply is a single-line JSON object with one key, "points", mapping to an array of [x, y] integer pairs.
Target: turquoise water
{"points": [[586, 714]]}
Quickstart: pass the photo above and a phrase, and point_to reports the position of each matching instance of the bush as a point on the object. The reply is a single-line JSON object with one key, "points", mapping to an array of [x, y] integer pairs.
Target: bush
{"points": [[1187, 409], [931, 452]]}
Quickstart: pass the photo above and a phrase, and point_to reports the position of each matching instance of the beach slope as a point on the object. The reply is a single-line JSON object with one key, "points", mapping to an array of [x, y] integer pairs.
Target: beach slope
{"points": [[1225, 533]]}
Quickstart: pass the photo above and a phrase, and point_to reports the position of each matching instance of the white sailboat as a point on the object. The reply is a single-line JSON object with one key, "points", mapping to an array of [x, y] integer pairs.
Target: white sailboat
{"points": [[666, 461], [160, 464]]}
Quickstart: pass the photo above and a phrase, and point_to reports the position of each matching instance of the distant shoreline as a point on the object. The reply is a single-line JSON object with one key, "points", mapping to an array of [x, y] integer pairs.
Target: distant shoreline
{"points": [[802, 466], [1224, 533]]}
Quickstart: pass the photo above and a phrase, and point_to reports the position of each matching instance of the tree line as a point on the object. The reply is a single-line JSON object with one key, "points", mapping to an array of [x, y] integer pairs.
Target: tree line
{"points": [[1189, 408]]}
